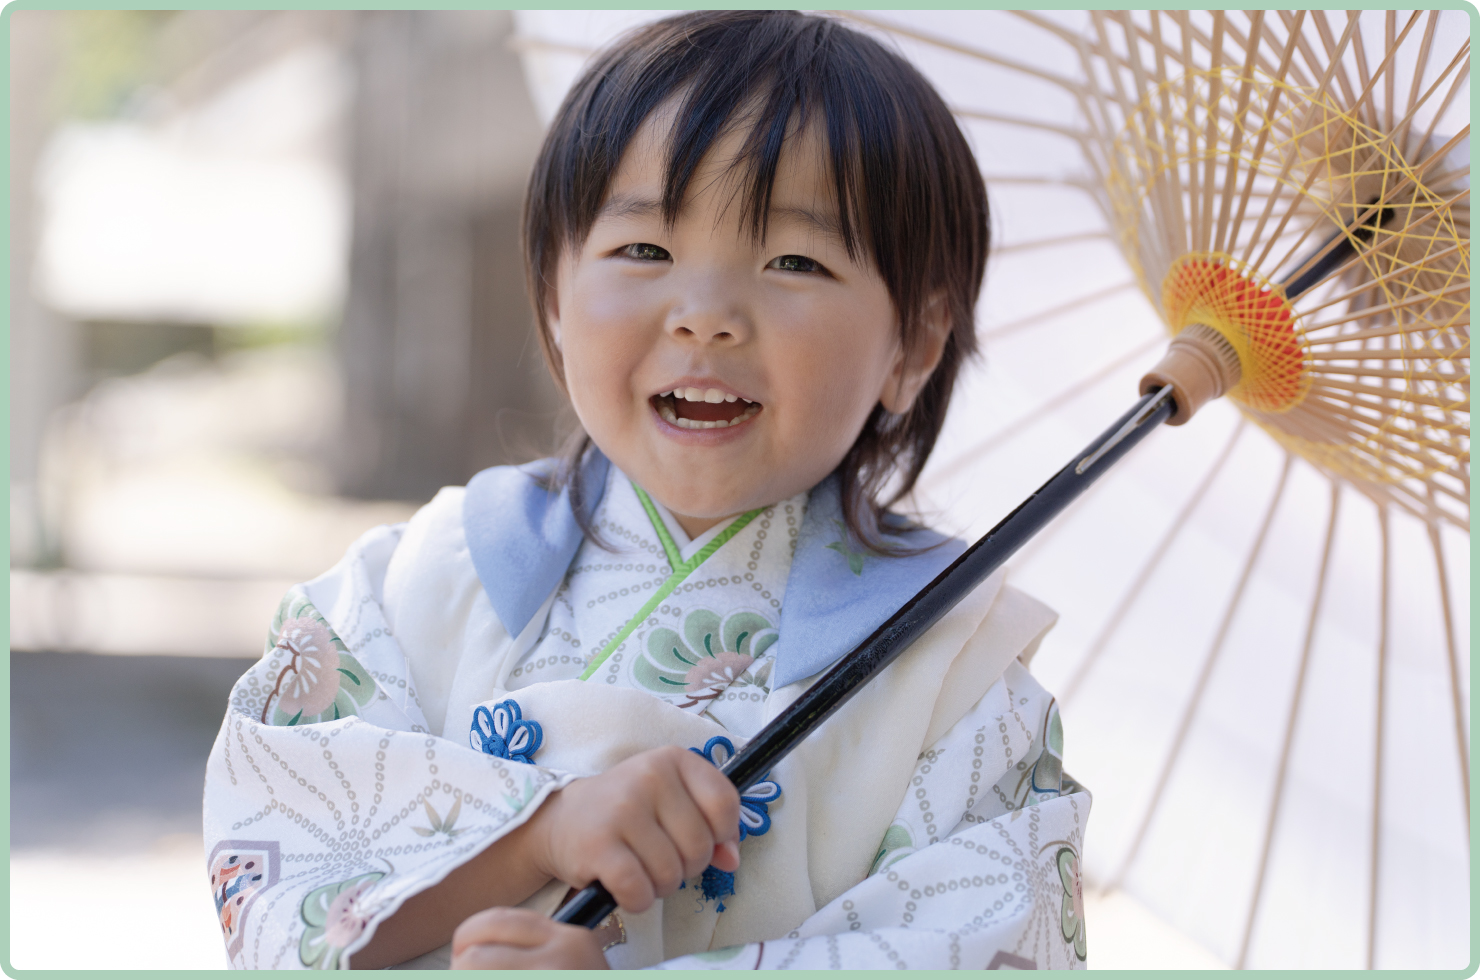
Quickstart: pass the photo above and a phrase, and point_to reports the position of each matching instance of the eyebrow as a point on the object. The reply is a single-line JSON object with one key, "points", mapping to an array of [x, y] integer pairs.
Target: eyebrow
{"points": [[630, 207], [825, 222]]}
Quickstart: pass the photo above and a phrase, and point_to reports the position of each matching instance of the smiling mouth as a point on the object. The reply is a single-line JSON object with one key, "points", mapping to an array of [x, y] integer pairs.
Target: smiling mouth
{"points": [[704, 408]]}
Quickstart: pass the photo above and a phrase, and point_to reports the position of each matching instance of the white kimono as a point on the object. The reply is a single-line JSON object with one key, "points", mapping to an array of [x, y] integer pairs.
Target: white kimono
{"points": [[423, 697]]}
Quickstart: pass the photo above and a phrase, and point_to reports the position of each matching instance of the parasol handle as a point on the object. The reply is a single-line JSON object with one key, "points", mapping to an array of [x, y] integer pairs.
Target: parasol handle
{"points": [[841, 681]]}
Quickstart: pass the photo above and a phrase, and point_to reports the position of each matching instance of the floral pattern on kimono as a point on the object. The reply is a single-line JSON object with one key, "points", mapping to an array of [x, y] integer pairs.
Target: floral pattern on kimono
{"points": [[368, 808], [707, 647]]}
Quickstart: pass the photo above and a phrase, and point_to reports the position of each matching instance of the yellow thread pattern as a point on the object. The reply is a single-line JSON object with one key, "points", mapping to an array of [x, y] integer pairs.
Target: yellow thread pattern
{"points": [[1221, 183], [1219, 292]]}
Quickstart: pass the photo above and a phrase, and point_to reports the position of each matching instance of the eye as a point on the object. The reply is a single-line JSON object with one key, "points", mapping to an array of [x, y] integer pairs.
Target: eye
{"points": [[645, 252], [796, 263]]}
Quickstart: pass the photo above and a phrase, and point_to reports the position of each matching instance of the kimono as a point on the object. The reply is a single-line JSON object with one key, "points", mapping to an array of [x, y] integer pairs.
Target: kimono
{"points": [[426, 696]]}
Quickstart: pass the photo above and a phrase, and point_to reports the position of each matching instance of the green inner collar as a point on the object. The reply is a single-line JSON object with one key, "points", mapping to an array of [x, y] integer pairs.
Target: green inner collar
{"points": [[681, 570]]}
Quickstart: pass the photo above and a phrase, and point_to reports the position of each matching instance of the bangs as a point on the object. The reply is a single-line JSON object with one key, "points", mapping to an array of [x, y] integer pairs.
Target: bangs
{"points": [[776, 74], [908, 193]]}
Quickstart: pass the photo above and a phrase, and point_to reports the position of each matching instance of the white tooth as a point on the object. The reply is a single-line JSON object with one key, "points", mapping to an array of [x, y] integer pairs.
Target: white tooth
{"points": [[747, 401], [714, 396], [729, 398], [665, 394], [693, 395]]}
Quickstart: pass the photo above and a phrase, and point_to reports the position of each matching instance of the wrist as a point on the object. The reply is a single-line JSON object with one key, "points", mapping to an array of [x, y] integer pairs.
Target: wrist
{"points": [[535, 836]]}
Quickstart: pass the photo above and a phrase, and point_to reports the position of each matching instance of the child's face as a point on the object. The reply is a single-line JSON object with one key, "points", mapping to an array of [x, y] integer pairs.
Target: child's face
{"points": [[797, 339]]}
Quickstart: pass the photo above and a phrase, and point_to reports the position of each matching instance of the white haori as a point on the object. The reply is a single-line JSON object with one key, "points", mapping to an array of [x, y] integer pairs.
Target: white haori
{"points": [[356, 814]]}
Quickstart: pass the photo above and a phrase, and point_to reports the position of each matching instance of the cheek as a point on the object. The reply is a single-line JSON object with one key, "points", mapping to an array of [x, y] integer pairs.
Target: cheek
{"points": [[606, 331], [835, 369]]}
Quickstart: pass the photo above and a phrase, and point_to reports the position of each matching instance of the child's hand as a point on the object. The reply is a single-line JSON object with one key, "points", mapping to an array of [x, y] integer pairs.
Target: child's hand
{"points": [[518, 939], [640, 828]]}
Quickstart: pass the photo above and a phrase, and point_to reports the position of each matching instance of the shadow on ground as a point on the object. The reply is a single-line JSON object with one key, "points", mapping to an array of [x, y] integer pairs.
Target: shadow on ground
{"points": [[110, 752]]}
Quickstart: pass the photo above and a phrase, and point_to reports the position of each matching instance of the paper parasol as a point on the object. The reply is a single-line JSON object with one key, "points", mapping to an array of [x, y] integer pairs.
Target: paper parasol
{"points": [[1219, 168], [1165, 148]]}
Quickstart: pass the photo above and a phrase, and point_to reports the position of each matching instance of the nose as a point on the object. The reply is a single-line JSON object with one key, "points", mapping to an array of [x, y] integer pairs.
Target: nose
{"points": [[709, 311]]}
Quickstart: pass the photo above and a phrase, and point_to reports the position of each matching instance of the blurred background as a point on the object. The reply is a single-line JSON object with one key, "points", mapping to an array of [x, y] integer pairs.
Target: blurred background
{"points": [[267, 293]]}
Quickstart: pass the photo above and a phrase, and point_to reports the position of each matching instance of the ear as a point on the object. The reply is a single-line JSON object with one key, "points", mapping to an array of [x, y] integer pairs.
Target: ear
{"points": [[912, 368]]}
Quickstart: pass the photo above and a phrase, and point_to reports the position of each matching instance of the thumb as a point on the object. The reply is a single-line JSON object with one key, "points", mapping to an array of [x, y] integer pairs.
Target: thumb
{"points": [[726, 856]]}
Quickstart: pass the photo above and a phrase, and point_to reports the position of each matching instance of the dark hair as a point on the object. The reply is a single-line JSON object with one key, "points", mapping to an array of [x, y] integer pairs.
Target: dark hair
{"points": [[908, 190]]}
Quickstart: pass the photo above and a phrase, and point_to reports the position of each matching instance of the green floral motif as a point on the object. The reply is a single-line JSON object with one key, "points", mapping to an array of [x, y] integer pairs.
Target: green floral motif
{"points": [[334, 920], [896, 839], [440, 826], [711, 655], [1042, 777], [844, 547], [317, 679], [1071, 914], [517, 803]]}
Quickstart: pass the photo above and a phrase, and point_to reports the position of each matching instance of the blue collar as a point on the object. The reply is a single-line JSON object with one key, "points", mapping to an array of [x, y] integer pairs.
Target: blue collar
{"points": [[522, 539]]}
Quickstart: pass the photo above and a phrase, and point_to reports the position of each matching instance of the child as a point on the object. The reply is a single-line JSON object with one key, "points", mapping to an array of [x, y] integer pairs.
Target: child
{"points": [[755, 244]]}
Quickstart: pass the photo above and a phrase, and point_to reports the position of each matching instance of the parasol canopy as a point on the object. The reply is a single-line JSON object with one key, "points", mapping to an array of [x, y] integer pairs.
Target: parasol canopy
{"points": [[1261, 654]]}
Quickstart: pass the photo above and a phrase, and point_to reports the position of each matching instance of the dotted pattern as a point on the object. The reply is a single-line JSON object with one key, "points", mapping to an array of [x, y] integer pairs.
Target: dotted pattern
{"points": [[983, 891], [603, 589], [341, 799]]}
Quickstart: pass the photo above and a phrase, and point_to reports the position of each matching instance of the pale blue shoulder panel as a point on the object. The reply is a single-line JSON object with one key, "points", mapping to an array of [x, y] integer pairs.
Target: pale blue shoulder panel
{"points": [[836, 596], [521, 536], [522, 539]]}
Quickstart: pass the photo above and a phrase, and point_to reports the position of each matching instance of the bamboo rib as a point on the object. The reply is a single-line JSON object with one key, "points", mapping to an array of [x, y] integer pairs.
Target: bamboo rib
{"points": [[964, 49], [1296, 699], [1039, 412], [1389, 23], [1371, 211], [1383, 411], [1365, 98], [1461, 741], [1384, 354], [1088, 236], [993, 117], [1013, 326], [1138, 584], [1388, 393], [1421, 62], [1382, 664], [1397, 273], [1461, 78], [1230, 177], [1264, 132], [1209, 662]]}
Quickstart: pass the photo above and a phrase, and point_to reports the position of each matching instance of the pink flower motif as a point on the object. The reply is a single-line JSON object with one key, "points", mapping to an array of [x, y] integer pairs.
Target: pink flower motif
{"points": [[345, 922], [312, 672], [716, 673]]}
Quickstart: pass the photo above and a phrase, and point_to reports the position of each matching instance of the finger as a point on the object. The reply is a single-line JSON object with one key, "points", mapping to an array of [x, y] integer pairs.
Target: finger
{"points": [[726, 856], [495, 956], [567, 948], [715, 796], [660, 856], [627, 880], [489, 956], [688, 829], [502, 926]]}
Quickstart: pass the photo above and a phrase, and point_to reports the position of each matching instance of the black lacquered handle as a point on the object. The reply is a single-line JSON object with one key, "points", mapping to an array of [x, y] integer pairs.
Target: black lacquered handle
{"points": [[588, 908], [843, 679]]}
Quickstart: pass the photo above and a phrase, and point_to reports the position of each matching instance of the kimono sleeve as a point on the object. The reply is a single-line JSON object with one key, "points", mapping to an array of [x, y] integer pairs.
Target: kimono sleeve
{"points": [[328, 801], [980, 868]]}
